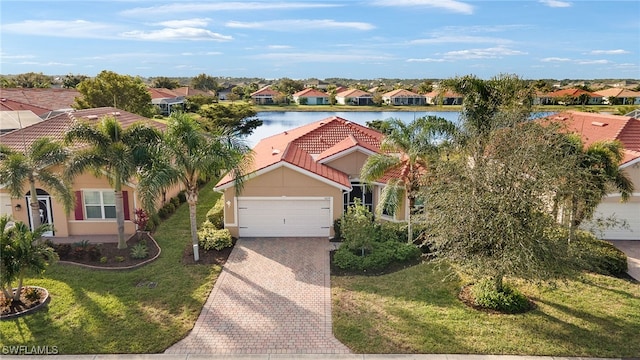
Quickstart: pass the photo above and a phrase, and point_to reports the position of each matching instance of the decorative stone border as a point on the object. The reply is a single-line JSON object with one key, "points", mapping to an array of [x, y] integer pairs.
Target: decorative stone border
{"points": [[39, 306], [95, 267]]}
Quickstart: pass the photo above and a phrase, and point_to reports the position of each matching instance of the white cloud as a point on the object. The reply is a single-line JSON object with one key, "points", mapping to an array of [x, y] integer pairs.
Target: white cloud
{"points": [[426, 60], [449, 39], [7, 57], [555, 59], [609, 52], [299, 24], [556, 3], [208, 53], [193, 7], [50, 63], [592, 62], [279, 47], [58, 28], [185, 23], [451, 5], [488, 53], [171, 34]]}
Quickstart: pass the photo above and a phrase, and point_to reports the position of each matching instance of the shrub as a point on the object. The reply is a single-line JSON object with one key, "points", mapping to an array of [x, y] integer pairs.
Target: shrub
{"points": [[154, 221], [182, 197], [392, 231], [211, 238], [63, 250], [337, 223], [358, 228], [119, 258], [139, 251], [597, 256], [216, 214], [175, 201], [141, 219], [169, 207], [381, 256], [94, 252], [509, 300], [103, 260], [163, 213], [32, 294]]}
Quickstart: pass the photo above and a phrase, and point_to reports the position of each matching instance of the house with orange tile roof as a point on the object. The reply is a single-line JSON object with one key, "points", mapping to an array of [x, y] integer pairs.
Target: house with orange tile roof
{"points": [[619, 96], [265, 96], [302, 179], [311, 96], [443, 98], [94, 212], [593, 127], [572, 96], [354, 97], [403, 97]]}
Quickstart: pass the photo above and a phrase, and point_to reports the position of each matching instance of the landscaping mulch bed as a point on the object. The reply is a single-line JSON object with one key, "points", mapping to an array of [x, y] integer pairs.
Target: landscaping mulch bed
{"points": [[207, 257], [9, 309], [95, 254]]}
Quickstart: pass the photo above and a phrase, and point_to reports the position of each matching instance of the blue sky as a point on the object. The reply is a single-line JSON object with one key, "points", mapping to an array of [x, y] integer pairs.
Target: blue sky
{"points": [[323, 38]]}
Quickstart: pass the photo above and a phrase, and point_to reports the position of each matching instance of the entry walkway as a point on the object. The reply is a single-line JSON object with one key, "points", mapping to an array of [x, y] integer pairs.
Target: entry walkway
{"points": [[273, 296], [632, 249]]}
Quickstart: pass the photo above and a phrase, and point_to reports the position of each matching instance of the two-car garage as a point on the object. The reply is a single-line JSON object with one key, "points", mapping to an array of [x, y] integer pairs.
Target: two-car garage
{"points": [[284, 216]]}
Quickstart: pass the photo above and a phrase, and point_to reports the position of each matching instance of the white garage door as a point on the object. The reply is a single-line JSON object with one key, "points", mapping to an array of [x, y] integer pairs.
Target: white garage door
{"points": [[284, 217], [5, 205], [629, 211]]}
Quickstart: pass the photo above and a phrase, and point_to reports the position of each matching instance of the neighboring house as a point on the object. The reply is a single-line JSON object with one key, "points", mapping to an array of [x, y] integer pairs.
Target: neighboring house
{"points": [[354, 97], [403, 97], [94, 212], [443, 98], [620, 96], [573, 96], [45, 103], [166, 100], [301, 180], [311, 96], [594, 127], [12, 120], [265, 96]]}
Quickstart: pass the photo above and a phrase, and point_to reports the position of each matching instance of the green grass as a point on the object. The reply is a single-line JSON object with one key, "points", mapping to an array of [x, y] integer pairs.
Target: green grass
{"points": [[93, 311], [416, 311]]}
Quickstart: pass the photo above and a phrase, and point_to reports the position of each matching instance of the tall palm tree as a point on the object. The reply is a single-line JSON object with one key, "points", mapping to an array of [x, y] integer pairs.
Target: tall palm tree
{"points": [[35, 165], [111, 151], [408, 149], [186, 155]]}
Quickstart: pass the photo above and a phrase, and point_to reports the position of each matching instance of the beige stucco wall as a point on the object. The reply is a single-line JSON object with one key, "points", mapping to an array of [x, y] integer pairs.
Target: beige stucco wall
{"points": [[281, 181], [349, 164], [66, 225]]}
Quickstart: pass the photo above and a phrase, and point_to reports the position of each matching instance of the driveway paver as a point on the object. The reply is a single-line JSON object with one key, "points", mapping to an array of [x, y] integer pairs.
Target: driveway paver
{"points": [[632, 249], [273, 296]]}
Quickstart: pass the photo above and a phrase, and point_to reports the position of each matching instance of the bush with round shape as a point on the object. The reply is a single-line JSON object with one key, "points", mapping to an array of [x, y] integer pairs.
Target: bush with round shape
{"points": [[211, 238], [215, 215], [508, 300]]}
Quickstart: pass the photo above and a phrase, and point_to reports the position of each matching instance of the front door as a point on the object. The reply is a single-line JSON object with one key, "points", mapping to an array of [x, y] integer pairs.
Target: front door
{"points": [[46, 215]]}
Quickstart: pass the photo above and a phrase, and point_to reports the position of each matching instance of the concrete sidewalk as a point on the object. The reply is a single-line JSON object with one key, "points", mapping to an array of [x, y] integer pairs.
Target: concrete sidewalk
{"points": [[302, 357]]}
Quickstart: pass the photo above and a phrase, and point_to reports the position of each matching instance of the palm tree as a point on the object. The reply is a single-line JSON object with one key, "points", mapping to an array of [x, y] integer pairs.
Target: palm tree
{"points": [[113, 151], [409, 149], [186, 155], [597, 172], [21, 253], [35, 164]]}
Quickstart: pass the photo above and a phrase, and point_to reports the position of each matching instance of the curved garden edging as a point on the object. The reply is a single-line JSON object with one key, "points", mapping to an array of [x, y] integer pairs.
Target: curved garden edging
{"points": [[39, 306], [96, 267]]}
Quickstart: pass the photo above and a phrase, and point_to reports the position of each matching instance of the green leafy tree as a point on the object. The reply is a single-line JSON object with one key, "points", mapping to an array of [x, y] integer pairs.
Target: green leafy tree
{"points": [[409, 149], [7, 83], [288, 86], [71, 81], [240, 118], [21, 252], [33, 165], [487, 205], [358, 228], [204, 82], [425, 87], [117, 152], [120, 91], [188, 154], [165, 83], [33, 80]]}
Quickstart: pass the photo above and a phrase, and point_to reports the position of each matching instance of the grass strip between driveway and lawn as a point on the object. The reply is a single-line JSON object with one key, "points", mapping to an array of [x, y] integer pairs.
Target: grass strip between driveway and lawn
{"points": [[416, 310], [98, 311]]}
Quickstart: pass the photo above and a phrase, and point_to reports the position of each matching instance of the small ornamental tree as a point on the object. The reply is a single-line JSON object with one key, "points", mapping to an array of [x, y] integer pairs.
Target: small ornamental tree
{"points": [[358, 228], [141, 220]]}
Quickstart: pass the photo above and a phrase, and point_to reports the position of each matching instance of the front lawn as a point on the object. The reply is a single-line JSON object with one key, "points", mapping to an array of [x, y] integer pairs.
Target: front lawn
{"points": [[416, 310], [94, 311]]}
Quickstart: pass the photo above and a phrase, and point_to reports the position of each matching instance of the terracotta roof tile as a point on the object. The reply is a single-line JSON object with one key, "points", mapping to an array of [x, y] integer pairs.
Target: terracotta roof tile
{"points": [[57, 126], [50, 99], [400, 93], [12, 105], [267, 90], [593, 127], [354, 93], [310, 92]]}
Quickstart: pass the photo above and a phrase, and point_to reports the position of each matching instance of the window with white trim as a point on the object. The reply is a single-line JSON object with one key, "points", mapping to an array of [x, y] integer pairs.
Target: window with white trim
{"points": [[99, 204], [359, 191]]}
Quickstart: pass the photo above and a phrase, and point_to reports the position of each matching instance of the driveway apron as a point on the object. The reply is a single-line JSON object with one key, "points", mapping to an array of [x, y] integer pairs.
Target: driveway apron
{"points": [[273, 296]]}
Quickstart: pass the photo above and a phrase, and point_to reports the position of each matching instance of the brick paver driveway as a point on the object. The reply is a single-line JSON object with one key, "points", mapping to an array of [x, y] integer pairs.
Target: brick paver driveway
{"points": [[273, 296]]}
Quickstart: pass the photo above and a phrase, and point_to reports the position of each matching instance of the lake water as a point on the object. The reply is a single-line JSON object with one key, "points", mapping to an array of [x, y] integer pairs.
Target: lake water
{"points": [[277, 122]]}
